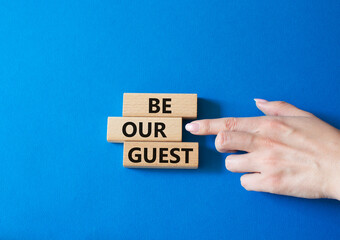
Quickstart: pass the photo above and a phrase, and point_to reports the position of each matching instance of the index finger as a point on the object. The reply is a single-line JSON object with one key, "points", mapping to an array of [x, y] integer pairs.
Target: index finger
{"points": [[213, 126]]}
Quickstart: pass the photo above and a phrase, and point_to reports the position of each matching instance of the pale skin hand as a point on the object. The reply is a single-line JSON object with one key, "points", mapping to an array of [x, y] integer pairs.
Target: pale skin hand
{"points": [[289, 151]]}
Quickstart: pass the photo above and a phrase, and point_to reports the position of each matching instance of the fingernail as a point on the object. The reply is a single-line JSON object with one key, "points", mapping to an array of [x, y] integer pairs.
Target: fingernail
{"points": [[228, 162], [259, 100], [192, 127]]}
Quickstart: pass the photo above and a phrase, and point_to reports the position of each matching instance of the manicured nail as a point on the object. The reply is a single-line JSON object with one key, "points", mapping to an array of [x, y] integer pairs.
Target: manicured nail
{"points": [[259, 100], [192, 127]]}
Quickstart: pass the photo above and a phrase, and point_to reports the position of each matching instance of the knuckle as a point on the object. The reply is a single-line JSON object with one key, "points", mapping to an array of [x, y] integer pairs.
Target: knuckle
{"points": [[230, 123], [252, 139], [271, 162], [279, 126], [281, 103], [297, 134], [288, 131], [251, 142], [269, 143], [274, 123], [273, 183]]}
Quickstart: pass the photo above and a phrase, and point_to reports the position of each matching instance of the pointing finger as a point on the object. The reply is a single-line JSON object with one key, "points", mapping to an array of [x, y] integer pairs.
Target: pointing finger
{"points": [[213, 126]]}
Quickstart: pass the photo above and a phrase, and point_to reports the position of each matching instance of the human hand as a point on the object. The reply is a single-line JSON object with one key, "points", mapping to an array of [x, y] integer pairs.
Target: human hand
{"points": [[289, 151]]}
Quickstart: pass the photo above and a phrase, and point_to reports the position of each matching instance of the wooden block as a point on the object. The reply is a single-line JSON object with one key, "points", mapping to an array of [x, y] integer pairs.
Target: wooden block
{"points": [[120, 129], [161, 155], [160, 105]]}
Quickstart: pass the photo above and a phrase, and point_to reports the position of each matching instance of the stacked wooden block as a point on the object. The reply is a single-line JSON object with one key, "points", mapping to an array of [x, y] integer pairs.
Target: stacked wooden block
{"points": [[151, 129]]}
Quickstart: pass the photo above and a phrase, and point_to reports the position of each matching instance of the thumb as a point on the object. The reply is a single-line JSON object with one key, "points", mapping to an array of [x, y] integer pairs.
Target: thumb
{"points": [[279, 108]]}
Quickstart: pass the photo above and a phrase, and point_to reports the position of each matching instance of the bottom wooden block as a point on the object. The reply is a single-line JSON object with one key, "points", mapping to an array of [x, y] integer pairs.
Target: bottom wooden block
{"points": [[160, 155]]}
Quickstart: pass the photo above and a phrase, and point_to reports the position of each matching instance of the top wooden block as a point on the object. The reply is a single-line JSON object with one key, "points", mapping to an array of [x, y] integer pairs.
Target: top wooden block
{"points": [[160, 105]]}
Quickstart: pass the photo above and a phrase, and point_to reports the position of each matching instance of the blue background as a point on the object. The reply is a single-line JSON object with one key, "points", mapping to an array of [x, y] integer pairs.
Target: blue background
{"points": [[64, 66]]}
